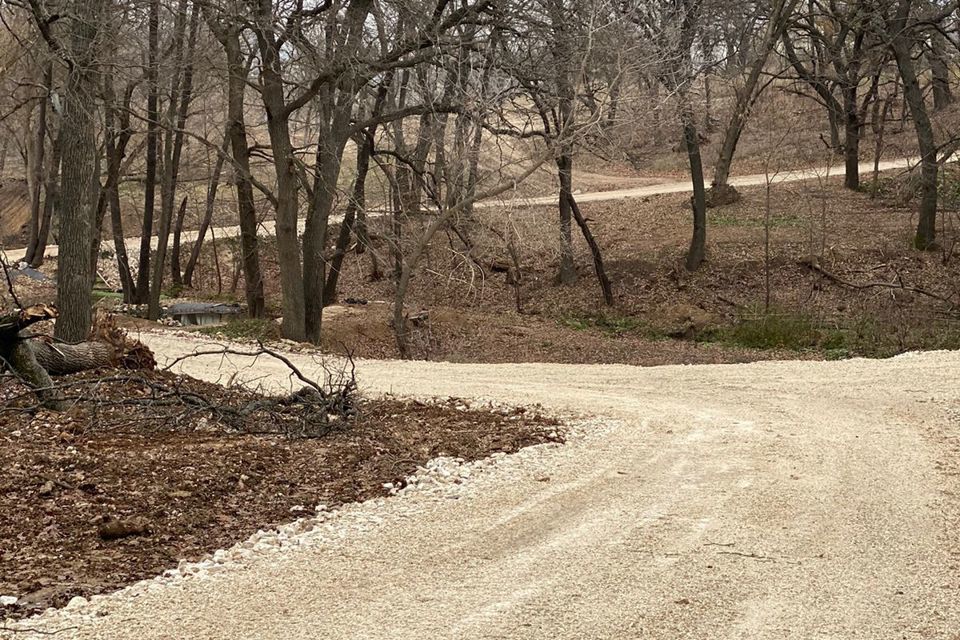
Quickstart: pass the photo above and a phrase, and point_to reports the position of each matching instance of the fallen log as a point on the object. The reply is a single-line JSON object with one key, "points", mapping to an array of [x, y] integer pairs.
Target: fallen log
{"points": [[35, 358]]}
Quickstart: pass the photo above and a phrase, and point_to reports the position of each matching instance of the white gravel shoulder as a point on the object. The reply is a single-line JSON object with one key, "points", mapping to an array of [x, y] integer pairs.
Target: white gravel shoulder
{"points": [[439, 479]]}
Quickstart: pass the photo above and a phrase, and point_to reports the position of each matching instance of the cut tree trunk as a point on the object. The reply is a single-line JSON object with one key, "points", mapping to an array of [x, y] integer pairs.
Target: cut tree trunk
{"points": [[34, 358], [150, 186]]}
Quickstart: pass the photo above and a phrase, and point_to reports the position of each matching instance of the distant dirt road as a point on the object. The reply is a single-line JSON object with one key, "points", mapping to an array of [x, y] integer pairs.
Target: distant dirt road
{"points": [[776, 500], [268, 228]]}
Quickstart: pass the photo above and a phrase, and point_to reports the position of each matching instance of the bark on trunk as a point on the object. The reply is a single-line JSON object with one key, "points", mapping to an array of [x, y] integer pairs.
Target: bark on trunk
{"points": [[51, 199], [117, 124], [288, 184], [602, 278], [150, 185], [940, 70], [240, 151], [327, 171], [851, 145], [568, 270], [902, 43], [80, 179], [698, 242], [176, 277], [36, 168]]}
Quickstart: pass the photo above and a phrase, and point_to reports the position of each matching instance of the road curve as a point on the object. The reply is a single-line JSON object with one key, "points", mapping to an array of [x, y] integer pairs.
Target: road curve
{"points": [[268, 227], [780, 500]]}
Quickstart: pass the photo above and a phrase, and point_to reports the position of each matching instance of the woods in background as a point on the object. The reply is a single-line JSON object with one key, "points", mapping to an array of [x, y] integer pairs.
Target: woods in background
{"points": [[253, 110]]}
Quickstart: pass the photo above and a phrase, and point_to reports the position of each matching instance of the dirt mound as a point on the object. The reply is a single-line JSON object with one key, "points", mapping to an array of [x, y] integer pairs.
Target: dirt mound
{"points": [[720, 195]]}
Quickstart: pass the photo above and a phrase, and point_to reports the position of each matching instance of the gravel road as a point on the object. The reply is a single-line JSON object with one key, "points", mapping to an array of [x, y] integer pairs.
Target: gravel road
{"points": [[769, 500]]}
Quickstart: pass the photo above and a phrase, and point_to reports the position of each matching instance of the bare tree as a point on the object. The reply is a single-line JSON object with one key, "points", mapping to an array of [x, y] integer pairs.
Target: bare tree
{"points": [[902, 34], [76, 37], [778, 14]]}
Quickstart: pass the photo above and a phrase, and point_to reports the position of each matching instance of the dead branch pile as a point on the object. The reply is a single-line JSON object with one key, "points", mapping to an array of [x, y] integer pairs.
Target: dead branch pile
{"points": [[175, 402]]}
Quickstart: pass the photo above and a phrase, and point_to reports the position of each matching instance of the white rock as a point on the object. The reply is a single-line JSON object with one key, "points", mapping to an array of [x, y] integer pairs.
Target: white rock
{"points": [[76, 602], [7, 601]]}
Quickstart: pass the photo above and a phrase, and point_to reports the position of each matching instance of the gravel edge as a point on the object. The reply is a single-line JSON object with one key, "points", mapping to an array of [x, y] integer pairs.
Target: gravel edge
{"points": [[436, 481]]}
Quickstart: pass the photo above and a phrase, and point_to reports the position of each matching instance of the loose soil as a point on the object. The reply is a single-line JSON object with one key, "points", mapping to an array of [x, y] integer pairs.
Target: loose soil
{"points": [[189, 483]]}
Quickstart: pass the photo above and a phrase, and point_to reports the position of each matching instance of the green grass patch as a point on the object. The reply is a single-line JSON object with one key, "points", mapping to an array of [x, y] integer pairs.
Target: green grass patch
{"points": [[770, 330], [101, 294], [245, 329], [868, 336]]}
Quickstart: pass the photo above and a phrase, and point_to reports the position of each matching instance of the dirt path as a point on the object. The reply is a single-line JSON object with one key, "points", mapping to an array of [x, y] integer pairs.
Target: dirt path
{"points": [[268, 227], [771, 500], [752, 180]]}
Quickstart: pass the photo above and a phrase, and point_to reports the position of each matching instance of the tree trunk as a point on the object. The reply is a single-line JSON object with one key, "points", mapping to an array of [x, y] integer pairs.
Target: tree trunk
{"points": [[902, 43], [35, 180], [240, 151], [851, 142], [51, 200], [211, 202], [330, 146], [117, 136], [698, 243], [175, 277], [602, 278], [176, 270], [568, 270], [120, 246], [150, 184], [80, 179], [272, 92], [940, 70]]}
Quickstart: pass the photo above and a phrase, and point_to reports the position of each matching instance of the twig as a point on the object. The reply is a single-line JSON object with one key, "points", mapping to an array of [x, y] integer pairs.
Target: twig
{"points": [[752, 556], [38, 631]]}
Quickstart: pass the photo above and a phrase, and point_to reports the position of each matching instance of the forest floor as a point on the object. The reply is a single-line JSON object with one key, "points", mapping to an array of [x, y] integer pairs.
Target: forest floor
{"points": [[835, 277], [124, 485]]}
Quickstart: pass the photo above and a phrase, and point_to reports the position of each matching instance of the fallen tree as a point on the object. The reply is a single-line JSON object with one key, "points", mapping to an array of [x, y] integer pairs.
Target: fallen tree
{"points": [[34, 358]]}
